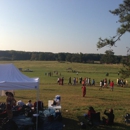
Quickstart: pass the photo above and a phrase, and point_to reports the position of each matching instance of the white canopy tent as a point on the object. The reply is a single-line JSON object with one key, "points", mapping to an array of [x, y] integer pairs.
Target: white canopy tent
{"points": [[12, 79]]}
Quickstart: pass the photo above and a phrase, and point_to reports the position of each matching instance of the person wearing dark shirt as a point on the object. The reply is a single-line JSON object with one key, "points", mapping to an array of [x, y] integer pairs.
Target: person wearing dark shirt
{"points": [[110, 117], [69, 81]]}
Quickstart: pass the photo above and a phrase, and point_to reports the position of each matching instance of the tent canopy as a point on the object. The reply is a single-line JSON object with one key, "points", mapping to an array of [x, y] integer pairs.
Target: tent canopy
{"points": [[12, 79]]}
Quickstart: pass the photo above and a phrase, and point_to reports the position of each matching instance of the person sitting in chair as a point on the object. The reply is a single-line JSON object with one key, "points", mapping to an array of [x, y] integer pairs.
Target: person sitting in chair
{"points": [[90, 112], [110, 119], [29, 104]]}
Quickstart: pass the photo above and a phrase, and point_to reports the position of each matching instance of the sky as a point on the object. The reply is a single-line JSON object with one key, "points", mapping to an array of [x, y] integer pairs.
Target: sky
{"points": [[72, 26]]}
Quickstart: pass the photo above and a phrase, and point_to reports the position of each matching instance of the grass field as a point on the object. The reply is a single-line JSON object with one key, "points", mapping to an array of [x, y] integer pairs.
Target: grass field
{"points": [[71, 96]]}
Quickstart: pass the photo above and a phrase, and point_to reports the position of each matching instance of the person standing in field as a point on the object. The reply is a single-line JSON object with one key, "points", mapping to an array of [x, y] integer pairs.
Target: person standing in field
{"points": [[84, 90], [69, 81], [74, 81], [101, 85], [93, 82], [109, 81], [62, 81], [112, 85], [117, 81], [126, 82], [105, 83], [80, 80], [58, 80], [83, 82], [77, 80]]}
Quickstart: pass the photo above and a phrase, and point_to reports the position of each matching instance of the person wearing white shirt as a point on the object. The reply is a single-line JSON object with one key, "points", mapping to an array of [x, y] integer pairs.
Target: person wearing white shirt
{"points": [[29, 103]]}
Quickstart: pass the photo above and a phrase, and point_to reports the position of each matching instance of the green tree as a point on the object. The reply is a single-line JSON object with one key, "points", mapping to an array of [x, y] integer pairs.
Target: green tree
{"points": [[61, 56], [123, 12], [125, 71], [108, 57]]}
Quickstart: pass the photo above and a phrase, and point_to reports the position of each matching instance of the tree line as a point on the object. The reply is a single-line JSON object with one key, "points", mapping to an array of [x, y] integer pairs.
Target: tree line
{"points": [[108, 57]]}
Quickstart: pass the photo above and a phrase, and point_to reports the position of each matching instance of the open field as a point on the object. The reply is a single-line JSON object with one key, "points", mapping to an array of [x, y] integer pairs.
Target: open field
{"points": [[71, 96]]}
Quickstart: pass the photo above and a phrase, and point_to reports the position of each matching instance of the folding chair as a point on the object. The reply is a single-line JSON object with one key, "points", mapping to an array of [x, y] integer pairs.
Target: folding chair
{"points": [[95, 120]]}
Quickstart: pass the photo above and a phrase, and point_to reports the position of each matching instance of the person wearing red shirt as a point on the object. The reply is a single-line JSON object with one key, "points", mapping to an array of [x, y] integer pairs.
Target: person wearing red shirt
{"points": [[89, 114], [84, 90], [91, 111], [112, 85]]}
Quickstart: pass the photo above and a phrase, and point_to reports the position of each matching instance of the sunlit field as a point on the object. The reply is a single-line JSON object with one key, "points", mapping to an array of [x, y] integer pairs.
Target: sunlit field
{"points": [[71, 96]]}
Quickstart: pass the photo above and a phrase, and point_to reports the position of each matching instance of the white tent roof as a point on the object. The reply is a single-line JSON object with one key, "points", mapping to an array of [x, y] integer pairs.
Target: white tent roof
{"points": [[12, 79]]}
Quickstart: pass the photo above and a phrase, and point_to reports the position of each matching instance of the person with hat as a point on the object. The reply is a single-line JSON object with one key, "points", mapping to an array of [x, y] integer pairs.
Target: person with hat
{"points": [[9, 104]]}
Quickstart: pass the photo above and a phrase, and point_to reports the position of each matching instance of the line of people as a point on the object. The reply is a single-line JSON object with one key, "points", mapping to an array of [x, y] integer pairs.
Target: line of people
{"points": [[122, 82], [80, 80], [105, 84]]}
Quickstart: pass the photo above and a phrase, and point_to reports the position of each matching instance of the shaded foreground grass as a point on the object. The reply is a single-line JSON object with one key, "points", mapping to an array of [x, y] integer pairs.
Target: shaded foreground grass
{"points": [[71, 96]]}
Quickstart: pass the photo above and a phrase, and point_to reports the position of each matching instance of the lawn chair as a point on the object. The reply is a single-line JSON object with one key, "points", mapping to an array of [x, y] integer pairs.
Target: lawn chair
{"points": [[95, 121]]}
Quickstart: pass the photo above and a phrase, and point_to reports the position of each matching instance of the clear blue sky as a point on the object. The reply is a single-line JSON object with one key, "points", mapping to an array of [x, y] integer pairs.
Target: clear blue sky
{"points": [[59, 25]]}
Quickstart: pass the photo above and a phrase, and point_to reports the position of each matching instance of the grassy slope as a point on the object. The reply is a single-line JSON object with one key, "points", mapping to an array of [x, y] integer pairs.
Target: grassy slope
{"points": [[72, 99]]}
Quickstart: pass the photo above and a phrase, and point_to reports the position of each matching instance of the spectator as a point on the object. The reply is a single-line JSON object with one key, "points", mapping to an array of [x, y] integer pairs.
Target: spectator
{"points": [[29, 104], [89, 113], [110, 117]]}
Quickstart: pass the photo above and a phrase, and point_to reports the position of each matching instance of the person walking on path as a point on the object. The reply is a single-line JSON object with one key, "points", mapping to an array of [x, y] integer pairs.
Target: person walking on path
{"points": [[100, 85], [69, 81]]}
